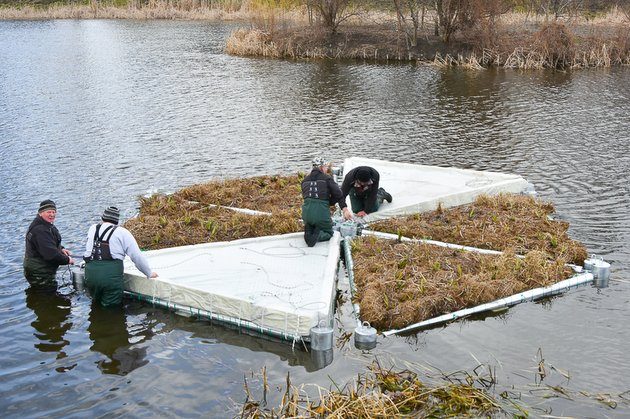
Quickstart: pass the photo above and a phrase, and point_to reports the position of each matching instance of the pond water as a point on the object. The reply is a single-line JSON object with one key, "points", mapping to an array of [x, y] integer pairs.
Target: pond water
{"points": [[97, 113]]}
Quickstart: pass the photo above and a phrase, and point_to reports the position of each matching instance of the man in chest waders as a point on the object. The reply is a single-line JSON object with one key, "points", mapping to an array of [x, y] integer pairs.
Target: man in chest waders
{"points": [[362, 185], [320, 191], [106, 247], [43, 252]]}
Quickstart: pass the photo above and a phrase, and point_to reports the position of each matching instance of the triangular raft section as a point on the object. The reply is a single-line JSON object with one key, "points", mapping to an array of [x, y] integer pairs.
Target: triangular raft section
{"points": [[418, 188], [274, 285]]}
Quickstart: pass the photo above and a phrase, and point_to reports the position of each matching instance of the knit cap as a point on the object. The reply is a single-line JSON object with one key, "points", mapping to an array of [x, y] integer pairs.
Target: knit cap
{"points": [[111, 214], [318, 162], [47, 205], [363, 174]]}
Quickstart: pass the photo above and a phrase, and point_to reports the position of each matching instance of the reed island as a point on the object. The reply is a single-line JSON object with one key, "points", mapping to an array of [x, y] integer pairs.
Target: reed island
{"points": [[524, 34]]}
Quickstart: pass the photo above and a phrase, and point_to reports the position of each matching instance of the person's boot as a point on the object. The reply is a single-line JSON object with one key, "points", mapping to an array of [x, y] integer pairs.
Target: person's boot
{"points": [[311, 240], [386, 195], [308, 232]]}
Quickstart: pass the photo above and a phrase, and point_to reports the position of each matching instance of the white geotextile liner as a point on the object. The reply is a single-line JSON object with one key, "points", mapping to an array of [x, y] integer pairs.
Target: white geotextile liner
{"points": [[276, 282], [417, 188]]}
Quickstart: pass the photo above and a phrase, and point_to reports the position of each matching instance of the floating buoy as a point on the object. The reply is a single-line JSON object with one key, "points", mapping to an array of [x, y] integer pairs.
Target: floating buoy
{"points": [[588, 263], [600, 270], [321, 337], [365, 336], [601, 273], [78, 277]]}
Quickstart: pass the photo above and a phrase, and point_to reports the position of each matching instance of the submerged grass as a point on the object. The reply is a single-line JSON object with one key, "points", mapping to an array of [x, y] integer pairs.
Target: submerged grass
{"points": [[401, 283], [502, 222], [382, 393]]}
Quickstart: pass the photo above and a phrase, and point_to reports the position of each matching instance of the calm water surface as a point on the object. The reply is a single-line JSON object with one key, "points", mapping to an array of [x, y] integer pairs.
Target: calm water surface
{"points": [[97, 113]]}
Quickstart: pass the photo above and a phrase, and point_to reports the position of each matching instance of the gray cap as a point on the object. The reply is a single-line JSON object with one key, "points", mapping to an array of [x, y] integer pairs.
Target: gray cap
{"points": [[319, 161], [111, 214]]}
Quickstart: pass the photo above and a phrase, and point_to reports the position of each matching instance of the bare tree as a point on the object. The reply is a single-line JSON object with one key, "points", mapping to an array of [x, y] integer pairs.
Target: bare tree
{"points": [[558, 8], [410, 15], [331, 12], [454, 15]]}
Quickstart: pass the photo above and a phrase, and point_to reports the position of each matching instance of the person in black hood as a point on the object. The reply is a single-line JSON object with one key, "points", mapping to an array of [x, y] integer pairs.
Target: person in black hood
{"points": [[44, 253], [320, 191], [362, 184]]}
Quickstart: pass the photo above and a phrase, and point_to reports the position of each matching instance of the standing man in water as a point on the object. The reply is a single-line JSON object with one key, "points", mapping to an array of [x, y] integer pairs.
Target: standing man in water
{"points": [[320, 191], [362, 184], [106, 247], [43, 252]]}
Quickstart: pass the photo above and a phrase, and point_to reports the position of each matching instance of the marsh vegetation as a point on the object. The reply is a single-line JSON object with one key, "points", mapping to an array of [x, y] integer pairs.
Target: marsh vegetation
{"points": [[473, 33]]}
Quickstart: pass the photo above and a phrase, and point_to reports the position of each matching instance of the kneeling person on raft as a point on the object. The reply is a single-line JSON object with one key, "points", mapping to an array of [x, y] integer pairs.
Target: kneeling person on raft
{"points": [[320, 192], [362, 184], [105, 249]]}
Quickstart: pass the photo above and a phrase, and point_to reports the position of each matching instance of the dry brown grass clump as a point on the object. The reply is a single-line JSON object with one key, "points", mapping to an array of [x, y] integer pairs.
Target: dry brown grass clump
{"points": [[401, 283], [260, 193], [501, 222], [190, 216], [382, 393], [206, 225]]}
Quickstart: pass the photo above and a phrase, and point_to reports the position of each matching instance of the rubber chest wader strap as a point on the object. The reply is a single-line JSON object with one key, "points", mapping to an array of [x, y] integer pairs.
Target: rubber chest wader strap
{"points": [[100, 248]]}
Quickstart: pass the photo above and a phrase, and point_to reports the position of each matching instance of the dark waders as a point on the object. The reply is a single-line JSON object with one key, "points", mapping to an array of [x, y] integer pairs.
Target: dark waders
{"points": [[316, 215], [38, 272], [104, 280], [358, 202]]}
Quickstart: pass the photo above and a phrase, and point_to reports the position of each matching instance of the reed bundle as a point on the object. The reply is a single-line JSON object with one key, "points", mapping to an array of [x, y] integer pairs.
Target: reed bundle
{"points": [[197, 214], [400, 283], [382, 393], [502, 222]]}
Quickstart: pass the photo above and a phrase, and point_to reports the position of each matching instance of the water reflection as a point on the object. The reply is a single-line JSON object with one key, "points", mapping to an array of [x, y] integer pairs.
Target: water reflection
{"points": [[293, 355], [52, 310], [108, 331]]}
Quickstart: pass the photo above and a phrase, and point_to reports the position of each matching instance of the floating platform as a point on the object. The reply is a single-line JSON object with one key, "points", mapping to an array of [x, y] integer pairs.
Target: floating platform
{"points": [[272, 285], [418, 188], [279, 287]]}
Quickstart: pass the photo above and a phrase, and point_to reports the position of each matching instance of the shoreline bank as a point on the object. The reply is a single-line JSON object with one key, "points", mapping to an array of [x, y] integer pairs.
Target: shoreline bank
{"points": [[516, 41]]}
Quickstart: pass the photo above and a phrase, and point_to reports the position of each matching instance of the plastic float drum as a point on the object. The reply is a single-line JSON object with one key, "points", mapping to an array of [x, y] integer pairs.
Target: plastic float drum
{"points": [[365, 336], [588, 263], [321, 337], [78, 277], [601, 273]]}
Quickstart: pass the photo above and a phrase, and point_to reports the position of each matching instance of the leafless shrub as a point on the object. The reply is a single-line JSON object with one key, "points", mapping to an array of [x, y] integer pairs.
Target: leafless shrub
{"points": [[410, 15], [555, 43], [332, 12], [457, 15]]}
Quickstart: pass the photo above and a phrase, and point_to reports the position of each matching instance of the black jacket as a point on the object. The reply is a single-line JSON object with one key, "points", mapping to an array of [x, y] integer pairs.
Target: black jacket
{"points": [[372, 190], [319, 185], [43, 241]]}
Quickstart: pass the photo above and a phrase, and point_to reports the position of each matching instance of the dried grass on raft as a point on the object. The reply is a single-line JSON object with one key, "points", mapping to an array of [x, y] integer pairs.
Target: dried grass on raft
{"points": [[383, 394], [401, 283], [260, 193], [169, 221], [501, 222]]}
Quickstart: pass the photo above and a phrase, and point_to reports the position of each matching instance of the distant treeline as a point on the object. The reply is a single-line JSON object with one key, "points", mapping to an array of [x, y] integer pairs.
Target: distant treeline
{"points": [[512, 33]]}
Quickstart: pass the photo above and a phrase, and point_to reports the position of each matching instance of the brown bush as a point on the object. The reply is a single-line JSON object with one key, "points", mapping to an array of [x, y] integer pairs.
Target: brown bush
{"points": [[555, 44]]}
